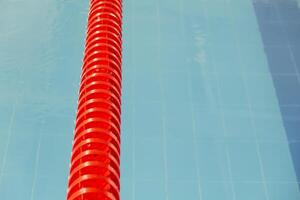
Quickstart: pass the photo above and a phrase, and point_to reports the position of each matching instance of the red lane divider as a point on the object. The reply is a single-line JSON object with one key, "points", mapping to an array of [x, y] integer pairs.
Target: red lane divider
{"points": [[95, 160]]}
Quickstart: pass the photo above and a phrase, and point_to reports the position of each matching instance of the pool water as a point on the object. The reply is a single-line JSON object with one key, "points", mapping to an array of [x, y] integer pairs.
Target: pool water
{"points": [[211, 98]]}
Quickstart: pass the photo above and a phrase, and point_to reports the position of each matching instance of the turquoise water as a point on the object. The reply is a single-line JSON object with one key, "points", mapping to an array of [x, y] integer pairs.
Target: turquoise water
{"points": [[41, 48], [201, 115]]}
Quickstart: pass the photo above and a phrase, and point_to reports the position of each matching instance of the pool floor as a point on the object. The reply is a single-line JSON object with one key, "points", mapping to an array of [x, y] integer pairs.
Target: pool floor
{"points": [[211, 98]]}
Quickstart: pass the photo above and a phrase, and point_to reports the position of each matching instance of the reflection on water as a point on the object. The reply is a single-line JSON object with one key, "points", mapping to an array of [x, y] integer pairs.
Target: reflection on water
{"points": [[200, 42]]}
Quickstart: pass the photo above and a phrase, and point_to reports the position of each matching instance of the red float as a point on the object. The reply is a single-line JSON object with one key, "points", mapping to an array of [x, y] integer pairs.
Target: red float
{"points": [[95, 161]]}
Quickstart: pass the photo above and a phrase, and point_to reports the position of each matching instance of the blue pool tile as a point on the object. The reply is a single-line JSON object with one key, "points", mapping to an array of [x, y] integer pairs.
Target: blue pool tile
{"points": [[127, 188], [225, 37], [232, 90], [174, 130], [29, 114], [217, 190], [269, 126], [295, 148], [167, 24], [212, 161], [149, 160], [127, 149], [242, 30], [155, 190], [265, 11], [283, 190], [284, 4], [22, 184], [6, 121], [208, 123], [264, 95], [242, 11], [253, 60], [168, 59], [181, 110], [3, 147], [281, 59], [296, 54], [288, 11], [249, 169], [148, 35], [290, 112], [151, 92], [43, 187], [144, 6], [292, 127], [216, 10], [58, 124], [183, 190], [225, 59], [21, 153], [11, 90], [50, 147], [203, 87], [277, 168], [42, 76], [139, 58], [250, 190], [152, 114], [288, 97], [175, 85], [127, 94], [69, 85], [195, 27], [202, 61], [273, 33], [293, 31], [180, 165], [179, 127], [238, 124]]}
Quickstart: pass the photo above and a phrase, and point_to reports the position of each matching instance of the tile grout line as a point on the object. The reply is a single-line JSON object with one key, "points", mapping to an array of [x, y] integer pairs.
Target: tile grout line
{"points": [[163, 106], [288, 42], [253, 124], [37, 159], [192, 106], [215, 73], [9, 138], [294, 66], [133, 103], [37, 156], [14, 107], [225, 181]]}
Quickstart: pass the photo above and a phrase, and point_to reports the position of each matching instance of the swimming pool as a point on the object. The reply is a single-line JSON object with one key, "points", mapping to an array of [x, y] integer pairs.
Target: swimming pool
{"points": [[210, 98]]}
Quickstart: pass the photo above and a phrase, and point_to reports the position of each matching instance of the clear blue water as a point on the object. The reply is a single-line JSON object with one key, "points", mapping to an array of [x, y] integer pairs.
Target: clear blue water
{"points": [[211, 99]]}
